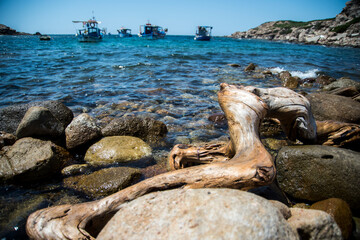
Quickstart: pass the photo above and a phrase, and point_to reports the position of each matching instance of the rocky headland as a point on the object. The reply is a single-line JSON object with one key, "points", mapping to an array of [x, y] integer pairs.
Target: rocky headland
{"points": [[343, 30], [5, 30]]}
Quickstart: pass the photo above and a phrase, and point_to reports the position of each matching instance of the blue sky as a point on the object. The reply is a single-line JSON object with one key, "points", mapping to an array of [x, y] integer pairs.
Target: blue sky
{"points": [[179, 16]]}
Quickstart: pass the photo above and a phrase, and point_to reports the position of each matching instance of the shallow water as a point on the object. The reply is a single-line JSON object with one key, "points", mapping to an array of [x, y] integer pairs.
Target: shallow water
{"points": [[174, 80]]}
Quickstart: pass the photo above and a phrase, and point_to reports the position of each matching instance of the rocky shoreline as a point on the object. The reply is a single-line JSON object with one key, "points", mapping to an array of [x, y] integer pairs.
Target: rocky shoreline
{"points": [[343, 30], [5, 30], [43, 141]]}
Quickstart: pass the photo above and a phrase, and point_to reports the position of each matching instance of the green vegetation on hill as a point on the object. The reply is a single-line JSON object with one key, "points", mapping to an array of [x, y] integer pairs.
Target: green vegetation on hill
{"points": [[286, 25], [342, 28]]}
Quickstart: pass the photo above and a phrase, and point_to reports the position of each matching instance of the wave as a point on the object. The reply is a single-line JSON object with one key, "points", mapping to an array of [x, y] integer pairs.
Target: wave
{"points": [[312, 73]]}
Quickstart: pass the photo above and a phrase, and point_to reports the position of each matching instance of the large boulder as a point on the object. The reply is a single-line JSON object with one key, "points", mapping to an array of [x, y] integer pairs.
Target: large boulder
{"points": [[342, 83], [198, 214], [31, 159], [317, 173], [103, 182], [117, 149], [340, 211], [314, 224], [148, 129], [10, 117], [334, 107], [39, 122], [81, 130]]}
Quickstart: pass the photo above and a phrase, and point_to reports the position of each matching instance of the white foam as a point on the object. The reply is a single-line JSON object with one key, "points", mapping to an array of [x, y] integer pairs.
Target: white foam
{"points": [[312, 73]]}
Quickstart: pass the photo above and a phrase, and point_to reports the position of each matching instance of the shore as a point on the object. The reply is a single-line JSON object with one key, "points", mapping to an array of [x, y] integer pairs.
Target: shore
{"points": [[343, 30]]}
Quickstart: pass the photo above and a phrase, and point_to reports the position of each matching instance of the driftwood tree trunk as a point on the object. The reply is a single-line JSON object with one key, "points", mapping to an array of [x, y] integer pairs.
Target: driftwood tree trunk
{"points": [[243, 163]]}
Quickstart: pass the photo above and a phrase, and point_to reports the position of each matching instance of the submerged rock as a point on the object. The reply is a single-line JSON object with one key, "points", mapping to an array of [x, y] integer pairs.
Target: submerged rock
{"points": [[251, 67], [117, 149], [317, 173], [340, 211], [314, 224], [39, 122], [10, 117], [81, 130], [146, 128], [198, 214], [334, 107], [32, 159], [103, 182]]}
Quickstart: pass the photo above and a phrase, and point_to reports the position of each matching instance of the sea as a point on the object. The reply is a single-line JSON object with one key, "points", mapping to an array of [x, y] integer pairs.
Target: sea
{"points": [[174, 80]]}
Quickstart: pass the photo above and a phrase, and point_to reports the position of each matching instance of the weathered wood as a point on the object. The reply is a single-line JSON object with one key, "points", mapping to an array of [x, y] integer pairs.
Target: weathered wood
{"points": [[244, 163], [338, 134]]}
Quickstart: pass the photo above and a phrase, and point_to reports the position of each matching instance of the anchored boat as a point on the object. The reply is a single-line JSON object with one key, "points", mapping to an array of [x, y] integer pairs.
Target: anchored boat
{"points": [[203, 33], [90, 31], [152, 31], [124, 32]]}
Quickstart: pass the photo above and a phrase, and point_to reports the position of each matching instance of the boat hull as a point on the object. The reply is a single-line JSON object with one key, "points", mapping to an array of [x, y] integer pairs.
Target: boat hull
{"points": [[82, 38], [202, 38]]}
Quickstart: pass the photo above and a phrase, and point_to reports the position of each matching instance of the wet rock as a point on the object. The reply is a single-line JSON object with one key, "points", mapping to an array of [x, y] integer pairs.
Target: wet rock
{"points": [[342, 83], [251, 67], [340, 211], [6, 139], [117, 149], [316, 173], [32, 159], [345, 91], [314, 224], [103, 182], [284, 75], [145, 128], [39, 122], [234, 65], [291, 82], [198, 214], [81, 130], [10, 117], [76, 169], [324, 80], [334, 107]]}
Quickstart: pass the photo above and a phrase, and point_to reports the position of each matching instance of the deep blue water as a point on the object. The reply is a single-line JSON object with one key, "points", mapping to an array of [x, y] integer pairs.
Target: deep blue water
{"points": [[177, 75]]}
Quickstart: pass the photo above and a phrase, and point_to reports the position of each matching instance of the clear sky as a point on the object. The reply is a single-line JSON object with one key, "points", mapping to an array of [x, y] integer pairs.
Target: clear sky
{"points": [[179, 16]]}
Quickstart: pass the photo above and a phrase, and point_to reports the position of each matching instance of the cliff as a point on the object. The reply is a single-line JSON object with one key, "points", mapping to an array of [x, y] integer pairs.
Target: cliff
{"points": [[343, 30], [5, 30]]}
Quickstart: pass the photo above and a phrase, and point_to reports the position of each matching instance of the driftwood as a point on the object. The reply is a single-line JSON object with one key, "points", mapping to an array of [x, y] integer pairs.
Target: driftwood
{"points": [[338, 134], [243, 163]]}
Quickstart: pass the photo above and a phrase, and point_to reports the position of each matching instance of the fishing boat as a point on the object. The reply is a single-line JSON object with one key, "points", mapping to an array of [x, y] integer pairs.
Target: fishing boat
{"points": [[203, 33], [90, 31], [124, 32], [152, 31]]}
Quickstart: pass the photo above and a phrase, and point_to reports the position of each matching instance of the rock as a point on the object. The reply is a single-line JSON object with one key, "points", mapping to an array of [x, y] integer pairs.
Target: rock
{"points": [[219, 119], [345, 91], [285, 211], [146, 128], [316, 173], [314, 224], [117, 149], [291, 82], [10, 117], [334, 107], [340, 211], [32, 159], [6, 139], [81, 130], [342, 83], [234, 65], [356, 232], [5, 30], [103, 182], [39, 122], [251, 67], [76, 169], [324, 80], [284, 75], [198, 214]]}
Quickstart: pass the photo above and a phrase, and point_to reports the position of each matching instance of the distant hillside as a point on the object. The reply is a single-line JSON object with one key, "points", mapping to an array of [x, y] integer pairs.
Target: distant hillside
{"points": [[343, 30], [5, 30]]}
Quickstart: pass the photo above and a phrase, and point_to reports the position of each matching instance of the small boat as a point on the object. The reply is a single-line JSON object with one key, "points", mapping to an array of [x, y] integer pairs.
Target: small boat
{"points": [[203, 33], [45, 38], [152, 31], [124, 32], [90, 31]]}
